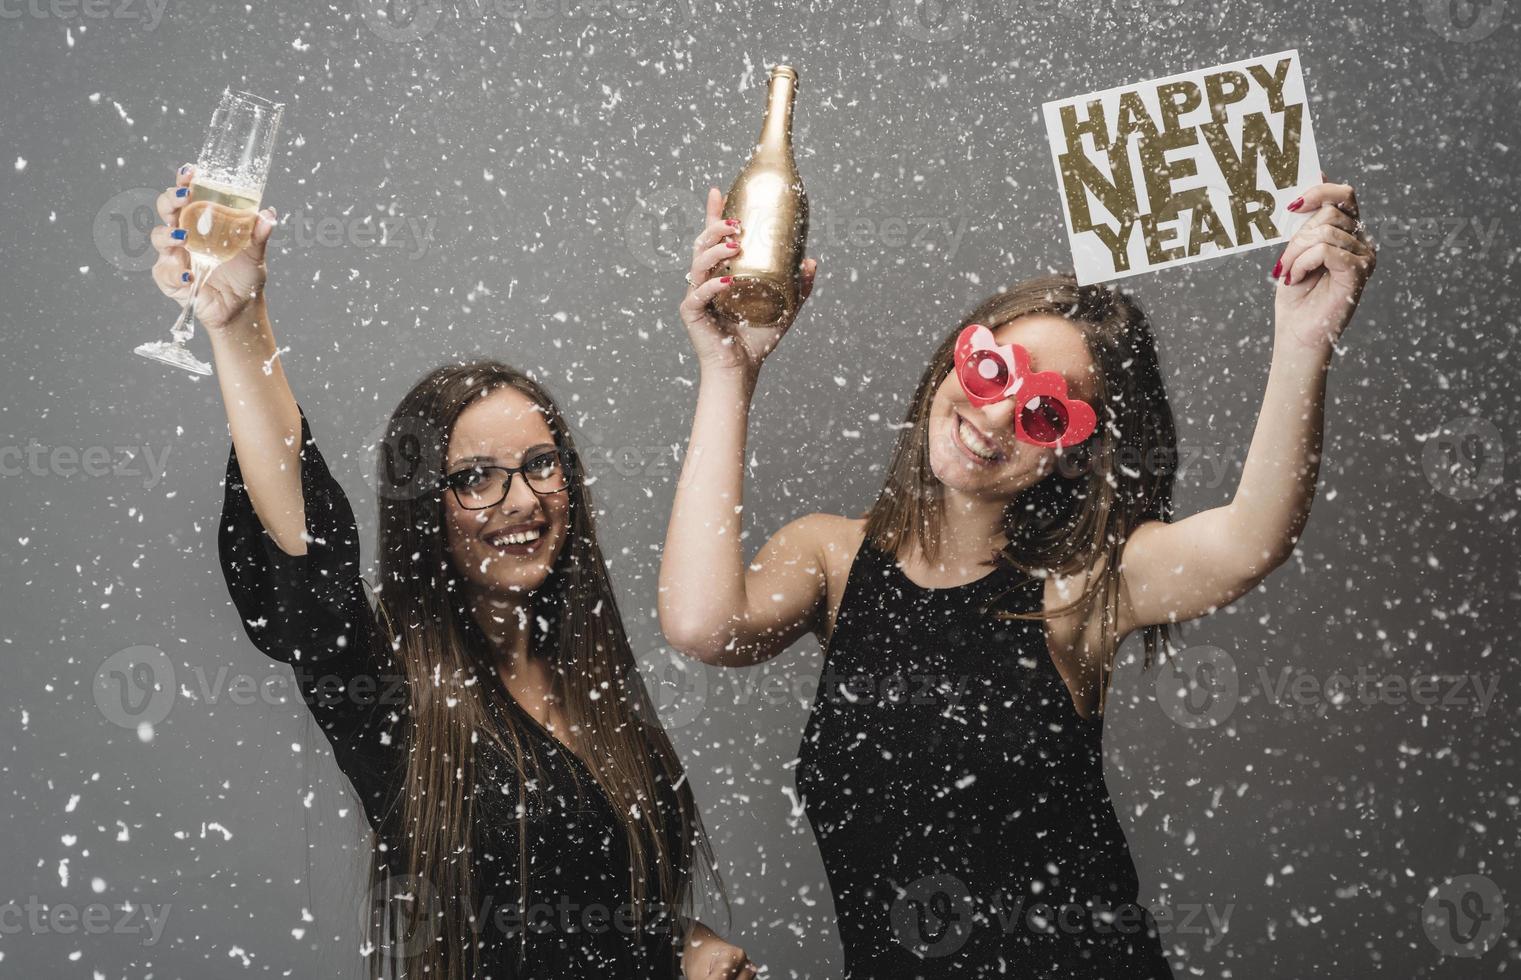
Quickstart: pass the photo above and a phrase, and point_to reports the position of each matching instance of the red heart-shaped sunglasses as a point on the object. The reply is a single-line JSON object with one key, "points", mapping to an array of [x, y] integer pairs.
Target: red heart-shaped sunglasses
{"points": [[989, 373]]}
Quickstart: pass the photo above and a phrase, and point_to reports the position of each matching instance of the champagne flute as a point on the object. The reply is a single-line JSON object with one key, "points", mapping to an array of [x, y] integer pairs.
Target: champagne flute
{"points": [[222, 208]]}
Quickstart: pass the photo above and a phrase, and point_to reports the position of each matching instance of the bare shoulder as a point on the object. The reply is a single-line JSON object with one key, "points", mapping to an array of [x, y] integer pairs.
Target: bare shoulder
{"points": [[830, 536], [1143, 539], [836, 529], [835, 539]]}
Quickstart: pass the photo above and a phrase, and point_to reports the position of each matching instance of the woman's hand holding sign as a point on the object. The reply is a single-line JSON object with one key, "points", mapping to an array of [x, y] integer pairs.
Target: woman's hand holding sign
{"points": [[1324, 268], [1321, 275]]}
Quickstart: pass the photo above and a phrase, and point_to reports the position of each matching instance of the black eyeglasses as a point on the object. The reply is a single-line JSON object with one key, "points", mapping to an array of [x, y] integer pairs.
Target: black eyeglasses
{"points": [[478, 487]]}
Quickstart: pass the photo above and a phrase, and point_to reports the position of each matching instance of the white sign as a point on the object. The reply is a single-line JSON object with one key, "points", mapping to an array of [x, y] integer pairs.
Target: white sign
{"points": [[1183, 168]]}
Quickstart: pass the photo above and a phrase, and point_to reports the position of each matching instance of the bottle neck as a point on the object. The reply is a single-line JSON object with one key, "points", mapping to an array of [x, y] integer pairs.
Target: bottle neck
{"points": [[776, 131]]}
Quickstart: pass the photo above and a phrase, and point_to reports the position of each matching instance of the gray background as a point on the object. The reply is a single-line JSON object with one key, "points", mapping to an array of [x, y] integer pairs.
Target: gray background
{"points": [[540, 168]]}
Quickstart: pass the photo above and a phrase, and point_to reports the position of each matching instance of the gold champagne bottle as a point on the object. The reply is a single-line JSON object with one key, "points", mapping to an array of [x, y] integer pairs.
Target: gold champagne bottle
{"points": [[772, 208]]}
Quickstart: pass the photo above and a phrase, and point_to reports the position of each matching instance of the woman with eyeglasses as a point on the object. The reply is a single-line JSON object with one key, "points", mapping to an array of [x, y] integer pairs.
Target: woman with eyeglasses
{"points": [[952, 766], [531, 818]]}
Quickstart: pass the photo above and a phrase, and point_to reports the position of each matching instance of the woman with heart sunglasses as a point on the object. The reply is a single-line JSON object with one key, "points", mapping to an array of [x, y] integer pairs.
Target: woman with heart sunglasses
{"points": [[952, 764]]}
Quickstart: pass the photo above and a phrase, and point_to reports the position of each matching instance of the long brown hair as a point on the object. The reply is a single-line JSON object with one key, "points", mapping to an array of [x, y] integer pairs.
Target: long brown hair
{"points": [[1075, 520], [426, 841]]}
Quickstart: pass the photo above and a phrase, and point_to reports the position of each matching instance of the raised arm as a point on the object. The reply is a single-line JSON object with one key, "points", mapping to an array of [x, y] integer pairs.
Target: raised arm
{"points": [[261, 410], [1179, 571], [301, 600], [712, 606]]}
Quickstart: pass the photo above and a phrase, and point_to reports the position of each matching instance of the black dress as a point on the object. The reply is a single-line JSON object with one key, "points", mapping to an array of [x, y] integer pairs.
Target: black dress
{"points": [[311, 612], [957, 796]]}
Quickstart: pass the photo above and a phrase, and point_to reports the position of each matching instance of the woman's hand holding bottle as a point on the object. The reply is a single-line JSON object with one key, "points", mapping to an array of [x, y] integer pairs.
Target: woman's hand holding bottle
{"points": [[724, 345]]}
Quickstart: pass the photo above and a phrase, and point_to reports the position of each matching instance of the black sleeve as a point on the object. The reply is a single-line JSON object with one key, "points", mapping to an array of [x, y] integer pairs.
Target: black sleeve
{"points": [[310, 611]]}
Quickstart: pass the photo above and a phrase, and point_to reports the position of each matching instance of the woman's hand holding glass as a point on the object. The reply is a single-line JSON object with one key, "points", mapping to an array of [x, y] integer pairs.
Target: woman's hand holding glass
{"points": [[234, 289]]}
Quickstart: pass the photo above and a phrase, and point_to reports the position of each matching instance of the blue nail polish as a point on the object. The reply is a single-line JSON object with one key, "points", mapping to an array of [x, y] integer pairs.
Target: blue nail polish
{"points": [[182, 192], [184, 277], [178, 234]]}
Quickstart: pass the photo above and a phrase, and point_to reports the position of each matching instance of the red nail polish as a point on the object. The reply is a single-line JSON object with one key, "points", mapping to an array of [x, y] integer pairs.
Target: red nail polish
{"points": [[726, 279], [731, 222], [1287, 275], [1277, 268], [1298, 203], [732, 244]]}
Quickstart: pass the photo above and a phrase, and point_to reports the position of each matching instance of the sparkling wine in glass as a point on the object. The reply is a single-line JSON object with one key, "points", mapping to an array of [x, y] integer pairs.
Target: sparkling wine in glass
{"points": [[222, 207]]}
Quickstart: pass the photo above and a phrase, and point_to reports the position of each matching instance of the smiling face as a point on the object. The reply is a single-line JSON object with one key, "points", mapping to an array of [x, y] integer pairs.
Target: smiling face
{"points": [[973, 450], [508, 549]]}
